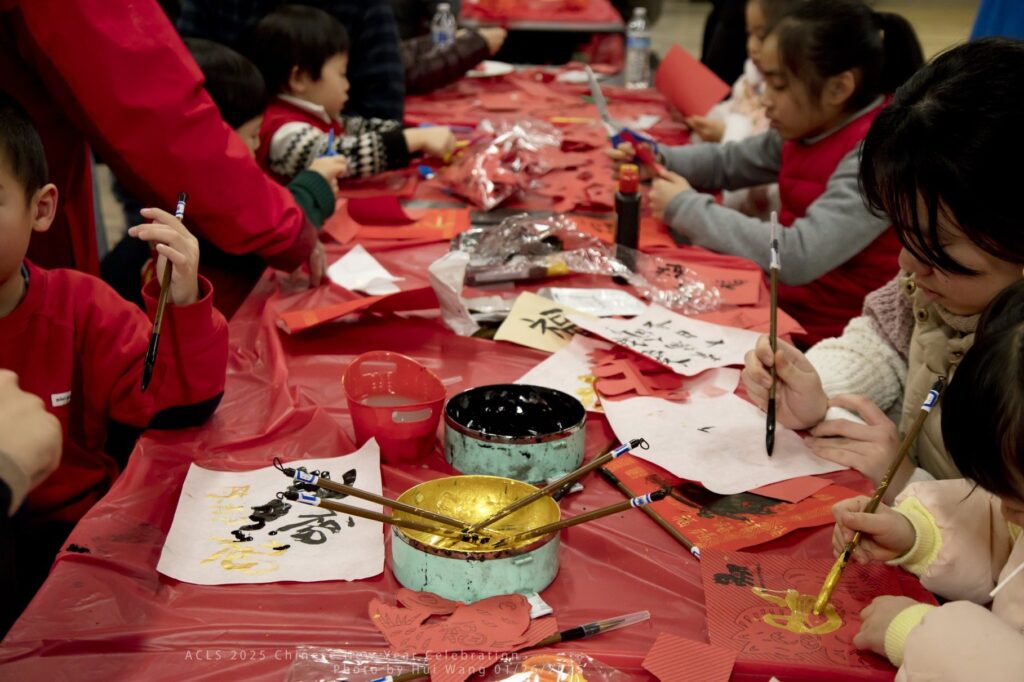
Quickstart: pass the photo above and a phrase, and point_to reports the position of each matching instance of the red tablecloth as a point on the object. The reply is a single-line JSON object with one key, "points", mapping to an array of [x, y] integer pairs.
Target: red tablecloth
{"points": [[108, 615]]}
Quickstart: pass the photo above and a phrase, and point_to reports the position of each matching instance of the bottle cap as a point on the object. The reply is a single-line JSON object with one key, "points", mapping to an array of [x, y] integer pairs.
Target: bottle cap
{"points": [[629, 178]]}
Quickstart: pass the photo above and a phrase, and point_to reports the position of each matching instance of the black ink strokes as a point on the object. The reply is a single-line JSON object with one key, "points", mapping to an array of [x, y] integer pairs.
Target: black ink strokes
{"points": [[737, 575], [553, 321], [740, 507]]}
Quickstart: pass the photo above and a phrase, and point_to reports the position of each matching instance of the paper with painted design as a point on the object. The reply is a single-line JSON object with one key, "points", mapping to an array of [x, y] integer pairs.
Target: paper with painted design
{"points": [[760, 606], [230, 527]]}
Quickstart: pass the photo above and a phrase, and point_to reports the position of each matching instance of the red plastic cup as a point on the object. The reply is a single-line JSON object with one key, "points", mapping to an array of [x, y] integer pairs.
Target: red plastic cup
{"points": [[396, 400]]}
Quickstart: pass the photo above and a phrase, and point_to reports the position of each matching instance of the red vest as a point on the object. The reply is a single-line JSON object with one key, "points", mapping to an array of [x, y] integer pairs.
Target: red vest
{"points": [[825, 305], [277, 114]]}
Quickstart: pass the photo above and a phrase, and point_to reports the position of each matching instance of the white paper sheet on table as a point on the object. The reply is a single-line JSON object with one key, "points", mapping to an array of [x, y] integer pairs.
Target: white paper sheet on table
{"points": [[305, 544], [684, 345], [717, 441], [357, 270], [568, 370], [447, 274]]}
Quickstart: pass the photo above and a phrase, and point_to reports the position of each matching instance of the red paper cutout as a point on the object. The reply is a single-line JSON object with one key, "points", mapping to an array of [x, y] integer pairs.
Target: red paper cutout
{"points": [[689, 85], [426, 601], [750, 600], [737, 287], [451, 669], [729, 522], [674, 659], [420, 298], [497, 624], [637, 376], [793, 490], [381, 210]]}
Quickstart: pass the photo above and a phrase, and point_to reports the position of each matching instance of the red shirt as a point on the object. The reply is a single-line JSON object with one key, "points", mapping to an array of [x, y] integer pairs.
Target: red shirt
{"points": [[80, 347]]}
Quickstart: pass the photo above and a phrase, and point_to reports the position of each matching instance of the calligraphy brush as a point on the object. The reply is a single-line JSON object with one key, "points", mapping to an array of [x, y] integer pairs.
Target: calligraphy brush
{"points": [[158, 319], [327, 484], [638, 501], [773, 330], [832, 579], [679, 537], [579, 632], [561, 483], [315, 501]]}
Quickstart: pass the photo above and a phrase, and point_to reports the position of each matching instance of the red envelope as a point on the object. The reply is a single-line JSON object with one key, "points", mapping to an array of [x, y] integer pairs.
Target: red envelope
{"points": [[691, 87], [674, 659]]}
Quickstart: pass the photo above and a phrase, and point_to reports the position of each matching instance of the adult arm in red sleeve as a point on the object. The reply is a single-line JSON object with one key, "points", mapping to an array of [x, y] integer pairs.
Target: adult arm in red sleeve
{"points": [[188, 378], [126, 80]]}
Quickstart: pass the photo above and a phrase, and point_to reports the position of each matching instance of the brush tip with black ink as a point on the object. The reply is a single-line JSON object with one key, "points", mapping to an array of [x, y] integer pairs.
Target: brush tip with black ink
{"points": [[769, 435]]}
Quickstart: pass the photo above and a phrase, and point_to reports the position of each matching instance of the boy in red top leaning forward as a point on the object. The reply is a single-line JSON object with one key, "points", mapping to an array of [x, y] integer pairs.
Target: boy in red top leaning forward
{"points": [[80, 347]]}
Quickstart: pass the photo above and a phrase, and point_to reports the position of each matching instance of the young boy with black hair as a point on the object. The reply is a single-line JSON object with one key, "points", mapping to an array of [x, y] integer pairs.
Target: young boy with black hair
{"points": [[80, 347], [237, 88], [303, 55]]}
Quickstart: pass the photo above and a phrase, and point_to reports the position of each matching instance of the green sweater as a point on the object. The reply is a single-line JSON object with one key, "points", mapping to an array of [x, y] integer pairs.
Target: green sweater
{"points": [[314, 195]]}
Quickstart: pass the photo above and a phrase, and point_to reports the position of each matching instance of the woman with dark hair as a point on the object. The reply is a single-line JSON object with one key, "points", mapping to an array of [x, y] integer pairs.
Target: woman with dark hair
{"points": [[933, 163]]}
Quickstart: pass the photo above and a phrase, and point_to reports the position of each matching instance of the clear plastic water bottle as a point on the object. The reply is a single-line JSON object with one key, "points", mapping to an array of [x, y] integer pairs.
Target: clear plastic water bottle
{"points": [[443, 25], [638, 50]]}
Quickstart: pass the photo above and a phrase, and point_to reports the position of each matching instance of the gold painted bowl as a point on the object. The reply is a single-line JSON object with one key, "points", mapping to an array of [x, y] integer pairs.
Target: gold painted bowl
{"points": [[472, 499]]}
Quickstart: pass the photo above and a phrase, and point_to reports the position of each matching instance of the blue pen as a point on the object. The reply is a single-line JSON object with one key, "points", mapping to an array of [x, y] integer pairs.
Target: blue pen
{"points": [[330, 144]]}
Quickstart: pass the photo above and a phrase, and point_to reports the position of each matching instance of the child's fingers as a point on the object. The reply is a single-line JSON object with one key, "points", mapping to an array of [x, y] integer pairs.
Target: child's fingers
{"points": [[844, 428], [155, 232], [177, 258], [158, 215], [763, 349], [868, 524]]}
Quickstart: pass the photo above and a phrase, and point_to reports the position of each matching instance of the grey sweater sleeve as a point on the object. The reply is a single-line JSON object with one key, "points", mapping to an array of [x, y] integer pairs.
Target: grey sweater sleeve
{"points": [[838, 225], [733, 165]]}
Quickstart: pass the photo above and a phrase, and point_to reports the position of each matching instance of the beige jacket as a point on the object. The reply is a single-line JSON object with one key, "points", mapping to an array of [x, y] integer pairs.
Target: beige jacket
{"points": [[964, 548], [937, 345]]}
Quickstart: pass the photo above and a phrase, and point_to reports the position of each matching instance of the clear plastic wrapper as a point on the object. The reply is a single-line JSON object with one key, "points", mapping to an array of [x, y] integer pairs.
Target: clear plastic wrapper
{"points": [[321, 664], [504, 158], [525, 247]]}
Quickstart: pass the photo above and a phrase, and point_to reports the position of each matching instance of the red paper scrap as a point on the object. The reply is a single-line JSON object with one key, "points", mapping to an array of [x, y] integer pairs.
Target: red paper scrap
{"points": [[626, 374], [458, 667], [440, 224], [737, 287], [674, 659], [755, 319], [426, 601], [794, 489], [420, 298], [759, 605], [340, 225], [689, 85], [381, 210], [731, 522]]}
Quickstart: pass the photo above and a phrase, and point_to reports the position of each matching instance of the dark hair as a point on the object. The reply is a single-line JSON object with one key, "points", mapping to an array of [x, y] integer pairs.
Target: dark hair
{"points": [[295, 36], [774, 10], [983, 408], [234, 83], [819, 39], [941, 142], [20, 146]]}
